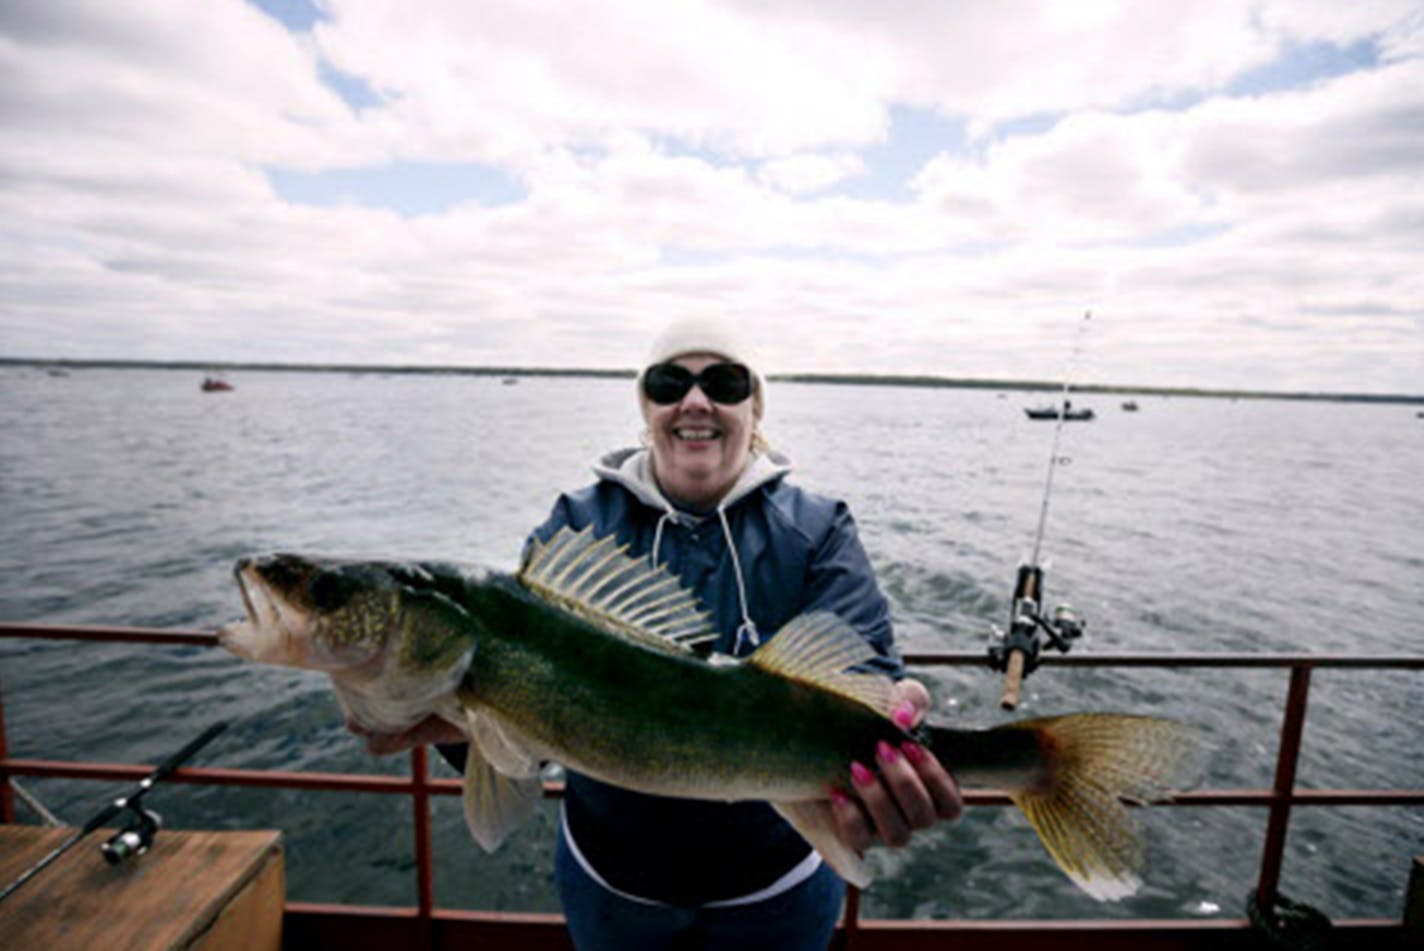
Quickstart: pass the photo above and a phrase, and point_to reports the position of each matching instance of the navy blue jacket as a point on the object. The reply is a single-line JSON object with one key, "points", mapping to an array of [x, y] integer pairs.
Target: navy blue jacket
{"points": [[798, 551]]}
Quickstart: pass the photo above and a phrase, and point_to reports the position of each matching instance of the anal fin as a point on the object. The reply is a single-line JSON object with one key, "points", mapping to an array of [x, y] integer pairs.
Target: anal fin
{"points": [[815, 823]]}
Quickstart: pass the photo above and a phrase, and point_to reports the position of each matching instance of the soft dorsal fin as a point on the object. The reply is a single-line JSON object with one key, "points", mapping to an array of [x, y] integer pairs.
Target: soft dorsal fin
{"points": [[600, 582], [816, 649]]}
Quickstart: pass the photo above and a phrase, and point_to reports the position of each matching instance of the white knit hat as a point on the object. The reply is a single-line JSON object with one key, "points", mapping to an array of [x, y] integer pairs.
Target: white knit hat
{"points": [[703, 335]]}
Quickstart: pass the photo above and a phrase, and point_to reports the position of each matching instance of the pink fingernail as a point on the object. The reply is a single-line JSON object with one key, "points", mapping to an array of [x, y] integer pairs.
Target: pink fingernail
{"points": [[838, 797], [886, 753], [861, 776], [904, 715], [913, 752]]}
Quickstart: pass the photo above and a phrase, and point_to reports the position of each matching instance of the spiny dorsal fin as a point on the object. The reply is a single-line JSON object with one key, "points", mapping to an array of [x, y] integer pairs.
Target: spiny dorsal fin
{"points": [[598, 581], [816, 649]]}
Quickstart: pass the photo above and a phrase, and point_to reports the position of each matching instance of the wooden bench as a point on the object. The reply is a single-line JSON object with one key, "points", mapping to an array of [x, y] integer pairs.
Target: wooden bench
{"points": [[209, 890]]}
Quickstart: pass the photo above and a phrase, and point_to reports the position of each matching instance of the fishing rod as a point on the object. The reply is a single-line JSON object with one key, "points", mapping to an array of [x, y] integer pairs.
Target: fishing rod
{"points": [[136, 837], [1016, 652]]}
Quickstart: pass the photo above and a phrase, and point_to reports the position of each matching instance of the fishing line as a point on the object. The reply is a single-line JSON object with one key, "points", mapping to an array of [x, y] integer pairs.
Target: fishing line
{"points": [[1053, 457], [1016, 651]]}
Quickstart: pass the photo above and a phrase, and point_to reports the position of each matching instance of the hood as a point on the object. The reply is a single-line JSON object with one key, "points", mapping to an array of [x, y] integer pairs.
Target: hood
{"points": [[632, 468]]}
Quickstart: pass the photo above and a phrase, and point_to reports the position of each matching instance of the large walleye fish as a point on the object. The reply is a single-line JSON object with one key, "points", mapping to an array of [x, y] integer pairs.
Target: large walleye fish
{"points": [[590, 658]]}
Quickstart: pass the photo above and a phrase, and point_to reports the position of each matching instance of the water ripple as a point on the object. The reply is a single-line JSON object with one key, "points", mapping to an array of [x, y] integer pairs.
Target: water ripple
{"points": [[1193, 525]]}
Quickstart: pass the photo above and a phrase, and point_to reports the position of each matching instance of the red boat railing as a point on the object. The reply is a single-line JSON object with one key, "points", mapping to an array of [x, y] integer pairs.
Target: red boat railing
{"points": [[428, 926]]}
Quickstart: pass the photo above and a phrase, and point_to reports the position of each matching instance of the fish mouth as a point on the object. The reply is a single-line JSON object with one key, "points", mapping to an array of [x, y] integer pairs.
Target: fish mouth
{"points": [[242, 581], [256, 599], [265, 616]]}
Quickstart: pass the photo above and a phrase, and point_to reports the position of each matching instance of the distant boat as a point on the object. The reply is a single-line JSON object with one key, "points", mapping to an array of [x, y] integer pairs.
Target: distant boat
{"points": [[1130, 406], [58, 373], [1051, 412], [212, 384], [510, 381]]}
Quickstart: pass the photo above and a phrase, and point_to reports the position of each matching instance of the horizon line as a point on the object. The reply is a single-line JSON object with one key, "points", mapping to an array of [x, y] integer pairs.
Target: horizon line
{"points": [[843, 379]]}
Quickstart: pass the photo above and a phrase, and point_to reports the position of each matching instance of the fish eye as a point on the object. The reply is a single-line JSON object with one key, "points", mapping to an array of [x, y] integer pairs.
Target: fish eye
{"points": [[329, 591]]}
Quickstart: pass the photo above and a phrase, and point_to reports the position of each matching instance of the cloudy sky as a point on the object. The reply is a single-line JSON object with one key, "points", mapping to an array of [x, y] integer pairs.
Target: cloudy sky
{"points": [[1234, 187]]}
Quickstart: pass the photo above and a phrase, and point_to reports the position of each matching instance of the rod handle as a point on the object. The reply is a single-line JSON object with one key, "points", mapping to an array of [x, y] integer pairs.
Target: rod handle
{"points": [[1013, 680]]}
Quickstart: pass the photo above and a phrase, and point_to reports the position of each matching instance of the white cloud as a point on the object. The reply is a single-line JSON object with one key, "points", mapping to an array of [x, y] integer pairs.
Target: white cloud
{"points": [[1093, 177], [698, 158], [798, 174], [500, 79]]}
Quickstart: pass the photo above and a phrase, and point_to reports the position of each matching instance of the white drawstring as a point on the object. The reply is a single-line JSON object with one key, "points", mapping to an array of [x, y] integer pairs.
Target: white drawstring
{"points": [[747, 632], [658, 538]]}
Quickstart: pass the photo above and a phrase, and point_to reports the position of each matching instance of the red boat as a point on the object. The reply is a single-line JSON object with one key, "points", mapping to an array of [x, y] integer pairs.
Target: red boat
{"points": [[212, 384]]}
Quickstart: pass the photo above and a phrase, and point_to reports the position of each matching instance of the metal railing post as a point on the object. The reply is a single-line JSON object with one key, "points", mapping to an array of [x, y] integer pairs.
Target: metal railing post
{"points": [[1286, 759], [852, 916], [7, 794], [424, 876]]}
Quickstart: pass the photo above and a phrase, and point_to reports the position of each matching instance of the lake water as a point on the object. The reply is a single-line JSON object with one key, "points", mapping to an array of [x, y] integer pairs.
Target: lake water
{"points": [[1193, 525]]}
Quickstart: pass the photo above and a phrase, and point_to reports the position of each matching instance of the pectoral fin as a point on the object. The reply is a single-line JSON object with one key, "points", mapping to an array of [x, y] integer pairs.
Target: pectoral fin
{"points": [[495, 804], [814, 821]]}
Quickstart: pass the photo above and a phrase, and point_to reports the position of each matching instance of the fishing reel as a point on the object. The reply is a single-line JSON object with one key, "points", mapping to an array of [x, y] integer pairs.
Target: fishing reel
{"points": [[1016, 653], [133, 839]]}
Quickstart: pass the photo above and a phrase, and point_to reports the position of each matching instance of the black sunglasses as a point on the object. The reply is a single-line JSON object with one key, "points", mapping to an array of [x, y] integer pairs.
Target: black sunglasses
{"points": [[727, 383]]}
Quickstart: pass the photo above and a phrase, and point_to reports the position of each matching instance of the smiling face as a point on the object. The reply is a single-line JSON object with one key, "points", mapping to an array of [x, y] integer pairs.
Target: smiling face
{"points": [[699, 447]]}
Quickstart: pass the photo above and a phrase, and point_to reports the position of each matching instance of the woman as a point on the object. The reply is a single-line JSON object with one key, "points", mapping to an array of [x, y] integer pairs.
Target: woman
{"points": [[709, 501]]}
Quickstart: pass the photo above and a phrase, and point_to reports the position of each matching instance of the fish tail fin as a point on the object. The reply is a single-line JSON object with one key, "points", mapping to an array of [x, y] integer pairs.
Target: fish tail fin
{"points": [[1090, 764]]}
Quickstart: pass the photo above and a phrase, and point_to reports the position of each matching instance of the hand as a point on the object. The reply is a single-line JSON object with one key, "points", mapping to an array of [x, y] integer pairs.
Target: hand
{"points": [[913, 791], [433, 729]]}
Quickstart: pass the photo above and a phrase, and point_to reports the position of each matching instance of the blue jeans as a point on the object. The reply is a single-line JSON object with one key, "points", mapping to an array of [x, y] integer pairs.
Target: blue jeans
{"points": [[801, 919]]}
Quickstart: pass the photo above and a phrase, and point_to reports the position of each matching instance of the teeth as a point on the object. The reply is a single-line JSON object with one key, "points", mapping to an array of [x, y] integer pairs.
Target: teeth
{"points": [[697, 433]]}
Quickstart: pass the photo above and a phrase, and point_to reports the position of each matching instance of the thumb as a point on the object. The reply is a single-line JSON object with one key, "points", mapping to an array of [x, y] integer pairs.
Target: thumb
{"points": [[911, 702]]}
